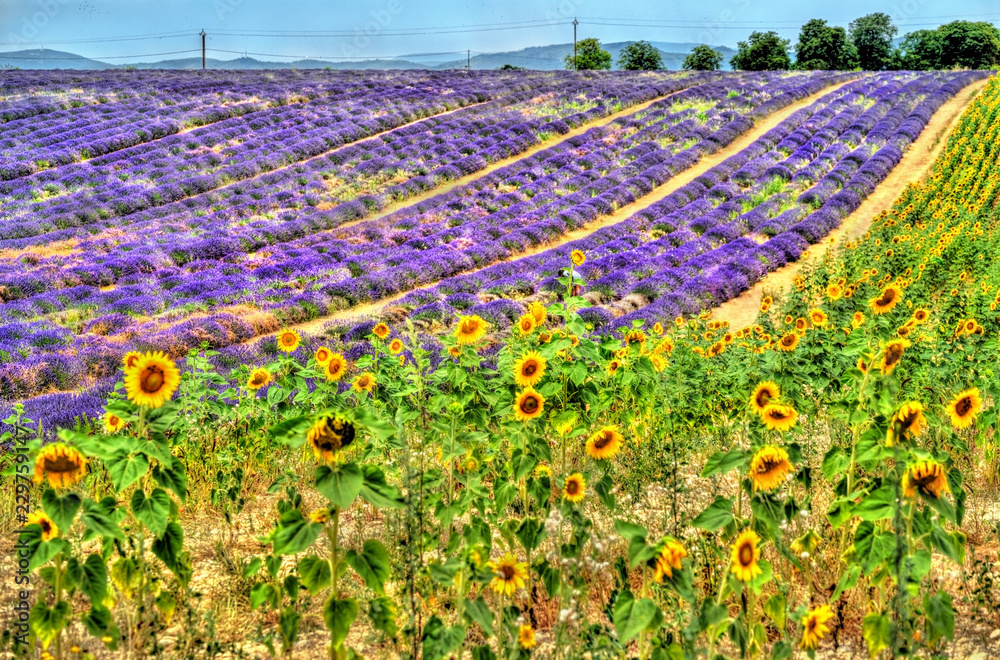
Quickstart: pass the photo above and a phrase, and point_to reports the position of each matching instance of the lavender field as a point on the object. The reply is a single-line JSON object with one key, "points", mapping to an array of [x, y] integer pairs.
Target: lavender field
{"points": [[172, 211]]}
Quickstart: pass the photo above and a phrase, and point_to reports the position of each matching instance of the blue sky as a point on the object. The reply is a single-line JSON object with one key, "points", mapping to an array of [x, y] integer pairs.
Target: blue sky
{"points": [[372, 28]]}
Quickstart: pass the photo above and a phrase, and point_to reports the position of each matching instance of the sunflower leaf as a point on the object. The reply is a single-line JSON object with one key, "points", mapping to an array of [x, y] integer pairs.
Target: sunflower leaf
{"points": [[94, 579], [479, 612], [382, 614], [126, 469], [338, 615], [315, 574], [632, 616], [61, 510], [718, 514], [377, 492], [294, 534], [152, 511], [340, 485], [168, 546], [878, 505], [721, 463], [372, 564]]}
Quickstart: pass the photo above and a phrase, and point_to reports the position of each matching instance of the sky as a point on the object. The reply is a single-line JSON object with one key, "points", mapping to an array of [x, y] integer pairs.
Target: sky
{"points": [[122, 31]]}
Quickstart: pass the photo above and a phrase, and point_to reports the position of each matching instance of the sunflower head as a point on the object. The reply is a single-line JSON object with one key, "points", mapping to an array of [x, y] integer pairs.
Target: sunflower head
{"points": [[763, 394], [319, 516], [130, 360], [61, 464], [892, 353], [926, 476], [857, 320], [657, 329], [745, 556], [113, 423], [605, 443], [538, 312], [509, 574], [454, 351], [528, 404], [288, 341], [364, 382], [962, 410], [788, 341], [322, 355], [834, 292], [396, 346], [887, 300], [259, 378], [526, 637], [800, 323], [336, 367], [328, 435], [381, 330], [778, 417], [577, 257], [526, 324], [814, 626], [575, 488], [529, 370], [768, 468], [921, 315], [49, 528], [635, 337], [818, 318], [153, 380], [906, 423], [668, 559], [544, 337], [470, 329], [659, 362]]}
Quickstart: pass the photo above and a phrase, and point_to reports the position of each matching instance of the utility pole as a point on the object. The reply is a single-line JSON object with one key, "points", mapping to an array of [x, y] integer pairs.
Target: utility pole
{"points": [[575, 23], [468, 60], [202, 50]]}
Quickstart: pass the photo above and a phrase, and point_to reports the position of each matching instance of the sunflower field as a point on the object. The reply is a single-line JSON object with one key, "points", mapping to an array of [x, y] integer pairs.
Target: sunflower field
{"points": [[820, 482]]}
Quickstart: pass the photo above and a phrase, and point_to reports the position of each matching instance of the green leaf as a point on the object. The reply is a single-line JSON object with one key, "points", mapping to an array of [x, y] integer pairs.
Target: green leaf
{"points": [[94, 579], [639, 551], [294, 533], [941, 616], [340, 485], [718, 514], [875, 630], [632, 616], [61, 510], [372, 564], [377, 492], [168, 546], [767, 572], [720, 463], [126, 469], [252, 568], [291, 431], [878, 505], [530, 533], [848, 581], [315, 574], [288, 627], [630, 531], [152, 511], [338, 615], [479, 612], [172, 478], [382, 613], [47, 622], [264, 593], [835, 463], [775, 608], [440, 640]]}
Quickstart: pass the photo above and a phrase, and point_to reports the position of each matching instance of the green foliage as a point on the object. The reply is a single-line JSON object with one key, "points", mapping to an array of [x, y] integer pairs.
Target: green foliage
{"points": [[959, 44], [589, 56], [821, 46], [763, 51], [872, 37], [703, 58], [640, 56]]}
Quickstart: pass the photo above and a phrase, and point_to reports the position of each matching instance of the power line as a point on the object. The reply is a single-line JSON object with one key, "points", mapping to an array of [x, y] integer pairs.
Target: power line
{"points": [[80, 57], [101, 40], [337, 57]]}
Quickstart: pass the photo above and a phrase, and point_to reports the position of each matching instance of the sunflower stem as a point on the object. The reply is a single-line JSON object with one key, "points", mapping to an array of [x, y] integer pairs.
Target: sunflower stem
{"points": [[58, 594]]}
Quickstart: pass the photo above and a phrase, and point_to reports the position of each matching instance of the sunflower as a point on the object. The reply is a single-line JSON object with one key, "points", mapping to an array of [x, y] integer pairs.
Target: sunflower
{"points": [[542, 470], [927, 476], [259, 377], [322, 355], [800, 323], [528, 404], [152, 381], [679, 321], [529, 370], [454, 351], [537, 311], [364, 383], [778, 417], [635, 337], [903, 331], [884, 302], [509, 574], [768, 468], [574, 341], [814, 627], [892, 353], [862, 365], [668, 560], [577, 257], [970, 326], [62, 464], [788, 342], [328, 435], [906, 423], [613, 366], [396, 346], [544, 337], [526, 637], [470, 329], [113, 423], [336, 367], [789, 319], [659, 363], [817, 317], [921, 315], [763, 394], [605, 443], [319, 516], [745, 555], [834, 292], [381, 330], [857, 320], [575, 487], [657, 329], [964, 407], [526, 324], [49, 528], [130, 360], [288, 341]]}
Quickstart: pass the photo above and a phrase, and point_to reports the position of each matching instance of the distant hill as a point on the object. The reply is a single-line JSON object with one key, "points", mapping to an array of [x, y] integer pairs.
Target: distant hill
{"points": [[540, 57]]}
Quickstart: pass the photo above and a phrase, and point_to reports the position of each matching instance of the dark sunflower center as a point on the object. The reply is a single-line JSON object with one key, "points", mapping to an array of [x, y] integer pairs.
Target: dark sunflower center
{"points": [[113, 420], [530, 404], [507, 572], [529, 368], [602, 441], [763, 397], [60, 464], [746, 554], [287, 340], [777, 414], [963, 406], [363, 382], [788, 340], [811, 624], [893, 354], [886, 298], [572, 487], [46, 527], [151, 380], [469, 326], [321, 355], [767, 465]]}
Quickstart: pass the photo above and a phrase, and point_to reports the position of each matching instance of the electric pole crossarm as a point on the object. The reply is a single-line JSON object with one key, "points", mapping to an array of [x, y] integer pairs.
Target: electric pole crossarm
{"points": [[202, 50]]}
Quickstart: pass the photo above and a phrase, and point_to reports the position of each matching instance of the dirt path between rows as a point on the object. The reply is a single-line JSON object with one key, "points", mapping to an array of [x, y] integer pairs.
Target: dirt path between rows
{"points": [[914, 166], [680, 180]]}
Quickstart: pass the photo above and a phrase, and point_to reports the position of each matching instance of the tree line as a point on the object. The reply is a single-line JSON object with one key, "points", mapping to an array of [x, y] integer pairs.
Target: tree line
{"points": [[866, 44]]}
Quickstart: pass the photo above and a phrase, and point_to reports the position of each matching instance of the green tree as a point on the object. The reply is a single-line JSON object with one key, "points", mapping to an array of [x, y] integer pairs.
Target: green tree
{"points": [[640, 56], [824, 47], [920, 50], [969, 45], [589, 56], [703, 58], [510, 67], [764, 51], [872, 37]]}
